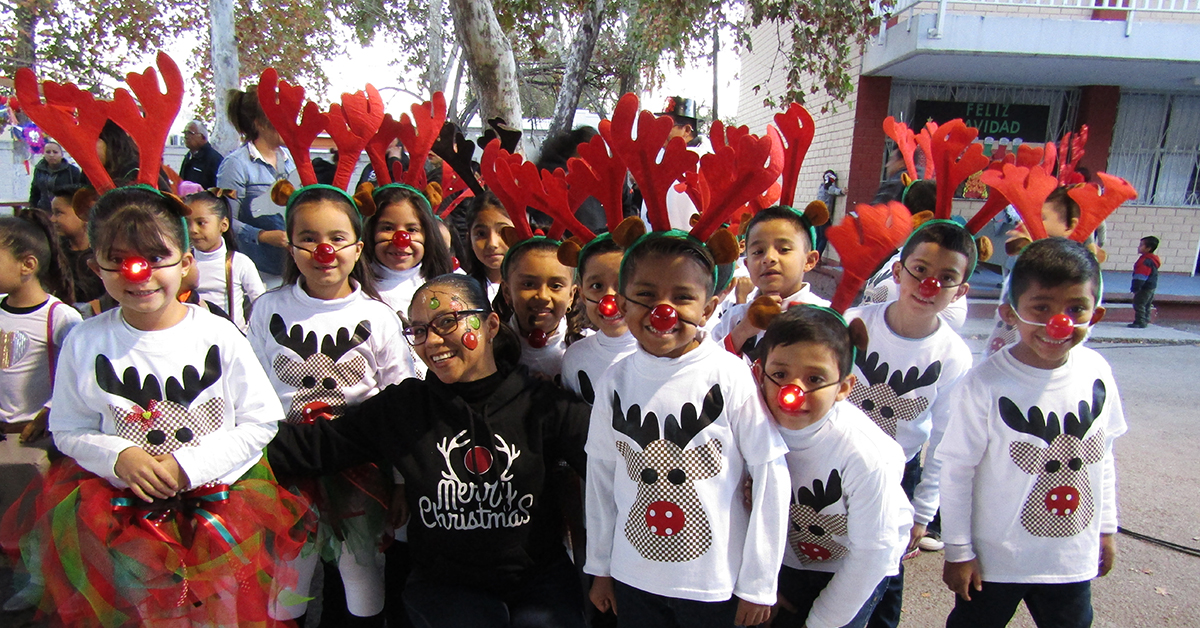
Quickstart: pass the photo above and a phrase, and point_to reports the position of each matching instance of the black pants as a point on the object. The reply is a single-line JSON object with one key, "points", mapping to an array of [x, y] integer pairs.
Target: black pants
{"points": [[887, 611], [1050, 605], [1143, 300]]}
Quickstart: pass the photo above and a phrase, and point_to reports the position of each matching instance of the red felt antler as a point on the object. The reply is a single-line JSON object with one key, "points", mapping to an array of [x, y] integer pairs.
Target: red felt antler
{"points": [[906, 143], [281, 102], [389, 130], [600, 174], [956, 156], [418, 138], [72, 117], [924, 139], [352, 125], [865, 239], [551, 197], [151, 129], [498, 168], [796, 126], [1070, 151], [1095, 207], [735, 176], [1026, 189], [655, 177]]}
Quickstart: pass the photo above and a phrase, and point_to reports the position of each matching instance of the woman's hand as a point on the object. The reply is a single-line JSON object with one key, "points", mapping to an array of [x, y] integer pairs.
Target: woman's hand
{"points": [[146, 476]]}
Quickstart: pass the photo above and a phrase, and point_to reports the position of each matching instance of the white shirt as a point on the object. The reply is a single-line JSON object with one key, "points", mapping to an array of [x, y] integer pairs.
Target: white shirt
{"points": [[247, 285], [589, 359], [882, 288], [25, 376], [397, 287], [194, 390], [546, 360], [664, 510], [1031, 511]]}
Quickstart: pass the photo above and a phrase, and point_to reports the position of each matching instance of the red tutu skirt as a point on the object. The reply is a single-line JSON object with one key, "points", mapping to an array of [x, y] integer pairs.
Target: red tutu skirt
{"points": [[352, 511], [214, 556]]}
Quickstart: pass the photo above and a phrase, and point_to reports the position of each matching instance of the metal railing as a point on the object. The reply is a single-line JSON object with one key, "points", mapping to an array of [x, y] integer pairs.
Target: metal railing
{"points": [[1130, 7]]}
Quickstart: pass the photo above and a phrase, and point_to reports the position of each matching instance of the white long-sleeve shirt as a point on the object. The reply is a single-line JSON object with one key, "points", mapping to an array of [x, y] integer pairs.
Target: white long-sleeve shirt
{"points": [[664, 501], [25, 345], [397, 287], [247, 284], [1028, 481], [194, 390], [591, 358], [848, 514], [900, 378], [546, 360]]}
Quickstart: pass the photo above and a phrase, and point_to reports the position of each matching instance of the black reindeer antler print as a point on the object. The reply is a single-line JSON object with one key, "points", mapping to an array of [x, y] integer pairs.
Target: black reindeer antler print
{"points": [[690, 424], [1078, 427], [631, 424], [129, 387], [335, 349], [822, 494], [874, 371], [304, 346], [586, 390], [910, 381], [1037, 424], [193, 382]]}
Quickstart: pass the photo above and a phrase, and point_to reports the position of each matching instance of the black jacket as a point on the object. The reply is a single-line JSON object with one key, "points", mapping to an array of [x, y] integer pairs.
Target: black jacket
{"points": [[46, 181], [203, 167], [475, 474]]}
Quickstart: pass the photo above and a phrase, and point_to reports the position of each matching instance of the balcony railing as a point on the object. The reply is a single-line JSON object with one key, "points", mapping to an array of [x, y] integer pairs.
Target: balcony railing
{"points": [[1113, 7]]}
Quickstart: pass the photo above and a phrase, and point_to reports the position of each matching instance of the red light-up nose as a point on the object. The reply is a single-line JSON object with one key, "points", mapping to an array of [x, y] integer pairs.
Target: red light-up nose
{"points": [[135, 269], [929, 287], [324, 254], [608, 306], [401, 239], [663, 317], [1060, 327], [791, 397], [537, 338]]}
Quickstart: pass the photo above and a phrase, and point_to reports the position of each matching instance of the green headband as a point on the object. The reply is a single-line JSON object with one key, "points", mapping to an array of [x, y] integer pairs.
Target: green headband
{"points": [[321, 186], [972, 261], [673, 233], [404, 186], [187, 240], [508, 255], [841, 319], [812, 231], [583, 252]]}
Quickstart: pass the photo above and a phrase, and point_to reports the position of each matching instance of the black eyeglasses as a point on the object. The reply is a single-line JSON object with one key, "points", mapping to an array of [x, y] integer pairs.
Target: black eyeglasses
{"points": [[924, 276], [443, 326]]}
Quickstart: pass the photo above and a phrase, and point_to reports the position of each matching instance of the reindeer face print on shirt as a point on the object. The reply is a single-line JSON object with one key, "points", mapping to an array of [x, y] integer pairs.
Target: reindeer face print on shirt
{"points": [[477, 488], [880, 396], [161, 420], [319, 378], [810, 533], [667, 521], [1061, 502]]}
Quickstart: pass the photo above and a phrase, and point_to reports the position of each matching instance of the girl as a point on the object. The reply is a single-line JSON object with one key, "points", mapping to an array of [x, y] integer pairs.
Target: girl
{"points": [[226, 276], [328, 344], [164, 510], [539, 289], [474, 445], [485, 220], [407, 248], [585, 361]]}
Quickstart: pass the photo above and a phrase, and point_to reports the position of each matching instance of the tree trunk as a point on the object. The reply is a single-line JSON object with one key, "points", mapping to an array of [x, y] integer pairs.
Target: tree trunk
{"points": [[25, 14], [489, 58], [459, 63], [578, 60], [716, 83], [223, 136], [435, 76]]}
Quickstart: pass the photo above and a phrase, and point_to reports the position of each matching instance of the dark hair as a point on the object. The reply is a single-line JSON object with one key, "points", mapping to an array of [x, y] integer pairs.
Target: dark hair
{"points": [[220, 207], [1053, 262], [67, 191], [1151, 243], [458, 250], [805, 323], [920, 196], [948, 235], [780, 212], [436, 260], [519, 251], [150, 223], [122, 154], [361, 272], [30, 232], [506, 347], [599, 247], [477, 205], [246, 113], [1066, 206], [558, 149], [575, 314], [669, 246]]}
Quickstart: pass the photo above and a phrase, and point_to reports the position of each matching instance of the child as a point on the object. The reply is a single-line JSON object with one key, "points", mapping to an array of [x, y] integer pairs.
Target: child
{"points": [[849, 518], [778, 253], [328, 344], [668, 539], [587, 360], [1145, 281], [407, 248], [913, 356], [539, 289], [75, 246], [227, 277], [164, 510], [486, 218], [1028, 481]]}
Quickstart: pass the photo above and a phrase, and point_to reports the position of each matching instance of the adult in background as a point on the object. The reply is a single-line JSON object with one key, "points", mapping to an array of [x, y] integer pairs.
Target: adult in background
{"points": [[51, 172], [687, 125], [201, 163], [251, 170]]}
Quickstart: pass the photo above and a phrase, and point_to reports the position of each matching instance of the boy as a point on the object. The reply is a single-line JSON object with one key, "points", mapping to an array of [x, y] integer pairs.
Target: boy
{"points": [[1033, 433], [913, 356], [668, 539], [76, 247], [778, 253], [1145, 281], [849, 518]]}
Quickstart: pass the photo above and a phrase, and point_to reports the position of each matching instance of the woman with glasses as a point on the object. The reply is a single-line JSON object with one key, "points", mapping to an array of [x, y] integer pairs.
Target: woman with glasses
{"points": [[473, 442]]}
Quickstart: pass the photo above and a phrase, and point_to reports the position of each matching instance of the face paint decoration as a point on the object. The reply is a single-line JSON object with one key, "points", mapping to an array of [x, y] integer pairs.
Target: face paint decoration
{"points": [[929, 287], [663, 317], [401, 239], [470, 340], [537, 338], [434, 303], [135, 269], [608, 306]]}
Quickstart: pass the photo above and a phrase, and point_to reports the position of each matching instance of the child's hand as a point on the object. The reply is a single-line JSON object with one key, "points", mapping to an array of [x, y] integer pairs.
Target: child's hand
{"points": [[751, 614], [602, 595], [146, 477], [398, 511], [748, 493], [915, 535], [36, 429], [962, 578], [742, 287], [1108, 553], [169, 462]]}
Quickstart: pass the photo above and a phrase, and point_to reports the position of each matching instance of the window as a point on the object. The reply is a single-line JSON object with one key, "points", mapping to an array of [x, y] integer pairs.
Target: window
{"points": [[1156, 147]]}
